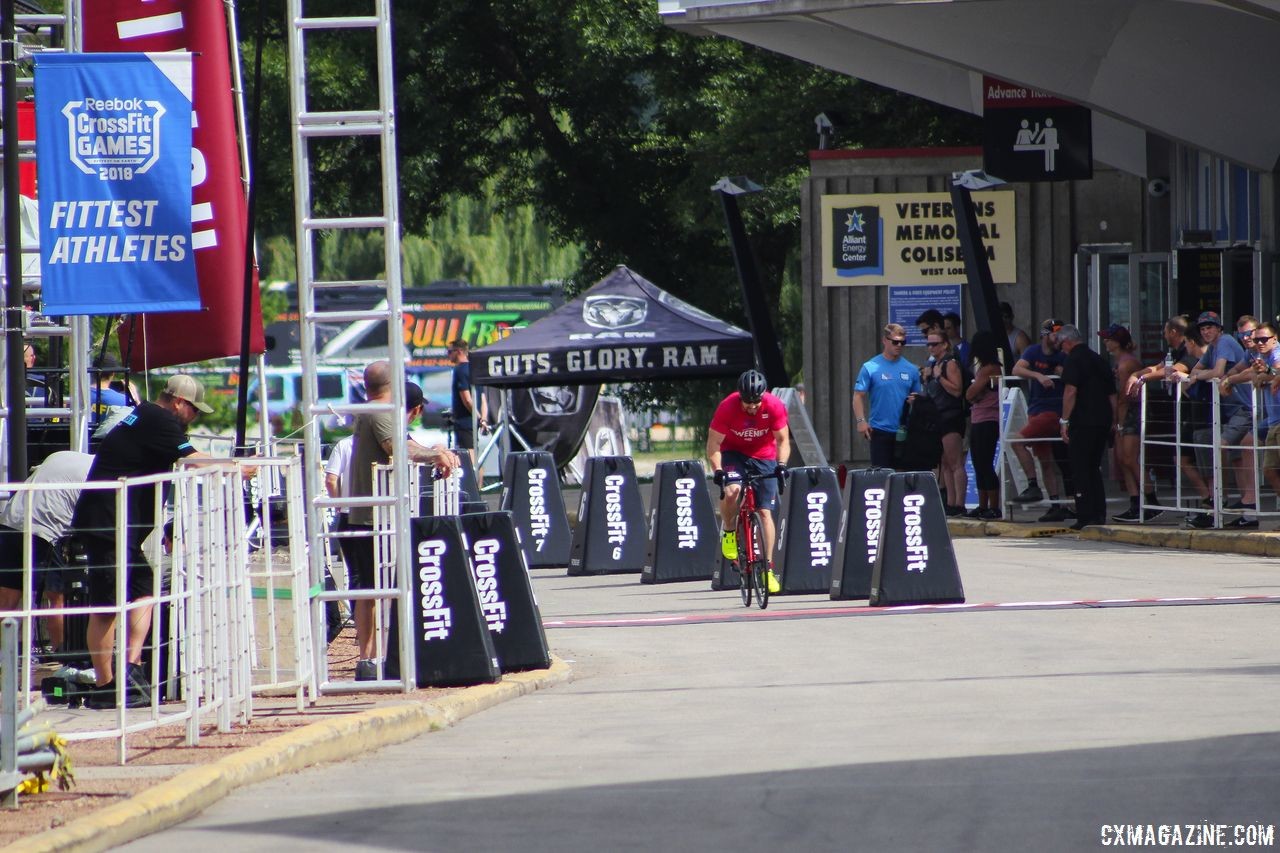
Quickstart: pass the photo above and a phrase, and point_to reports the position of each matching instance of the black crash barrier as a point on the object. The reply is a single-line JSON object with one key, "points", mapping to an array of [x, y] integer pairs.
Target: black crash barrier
{"points": [[453, 643], [531, 493], [859, 540], [725, 575], [808, 525], [916, 563], [611, 535], [469, 488], [684, 535], [506, 593]]}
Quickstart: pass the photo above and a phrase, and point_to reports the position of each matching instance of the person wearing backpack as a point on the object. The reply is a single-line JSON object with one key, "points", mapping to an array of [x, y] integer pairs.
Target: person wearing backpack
{"points": [[944, 384]]}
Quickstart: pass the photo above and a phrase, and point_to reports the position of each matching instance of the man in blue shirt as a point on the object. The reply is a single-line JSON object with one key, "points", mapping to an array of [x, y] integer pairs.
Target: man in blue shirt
{"points": [[1222, 353], [463, 400], [884, 383], [103, 397]]}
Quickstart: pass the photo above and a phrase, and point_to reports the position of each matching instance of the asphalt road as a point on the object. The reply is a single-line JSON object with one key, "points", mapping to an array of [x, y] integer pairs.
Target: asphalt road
{"points": [[693, 724]]}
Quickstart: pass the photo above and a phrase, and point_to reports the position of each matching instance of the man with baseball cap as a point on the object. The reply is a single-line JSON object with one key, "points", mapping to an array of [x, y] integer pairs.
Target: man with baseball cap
{"points": [[1041, 365], [148, 440], [374, 434], [1222, 354]]}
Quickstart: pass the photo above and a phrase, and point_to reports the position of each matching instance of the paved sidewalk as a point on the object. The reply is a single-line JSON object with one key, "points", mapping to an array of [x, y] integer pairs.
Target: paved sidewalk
{"points": [[170, 783], [165, 783], [1258, 543]]}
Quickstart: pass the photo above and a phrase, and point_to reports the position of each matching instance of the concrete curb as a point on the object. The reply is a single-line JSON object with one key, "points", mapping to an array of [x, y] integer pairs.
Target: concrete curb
{"points": [[194, 790], [1251, 544]]}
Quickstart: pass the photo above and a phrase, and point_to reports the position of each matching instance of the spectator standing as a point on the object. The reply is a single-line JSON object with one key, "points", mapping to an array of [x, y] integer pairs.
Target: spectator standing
{"points": [[944, 383], [1119, 345], [930, 321], [1222, 354], [149, 440], [1162, 409], [984, 420], [37, 383], [1267, 380], [1245, 325], [1019, 340], [1197, 418], [102, 396], [1088, 417], [883, 385], [954, 329], [465, 414], [51, 511], [374, 435], [1041, 365], [337, 484]]}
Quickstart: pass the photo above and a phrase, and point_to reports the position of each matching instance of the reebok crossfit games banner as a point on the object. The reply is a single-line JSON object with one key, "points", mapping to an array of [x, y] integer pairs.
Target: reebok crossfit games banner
{"points": [[114, 157]]}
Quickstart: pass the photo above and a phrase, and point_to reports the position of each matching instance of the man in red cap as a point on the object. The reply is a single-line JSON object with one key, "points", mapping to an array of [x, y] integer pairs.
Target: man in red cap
{"points": [[1041, 366]]}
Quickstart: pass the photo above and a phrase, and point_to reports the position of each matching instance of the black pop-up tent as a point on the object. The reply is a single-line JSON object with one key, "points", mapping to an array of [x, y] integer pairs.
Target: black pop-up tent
{"points": [[624, 328]]}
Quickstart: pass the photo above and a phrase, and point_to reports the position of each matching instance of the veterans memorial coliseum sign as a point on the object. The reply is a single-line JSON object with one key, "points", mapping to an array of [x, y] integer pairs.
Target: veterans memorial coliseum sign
{"points": [[910, 238]]}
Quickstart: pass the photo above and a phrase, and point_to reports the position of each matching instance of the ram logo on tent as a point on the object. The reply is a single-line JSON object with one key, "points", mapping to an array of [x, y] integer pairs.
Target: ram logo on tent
{"points": [[614, 312], [555, 400]]}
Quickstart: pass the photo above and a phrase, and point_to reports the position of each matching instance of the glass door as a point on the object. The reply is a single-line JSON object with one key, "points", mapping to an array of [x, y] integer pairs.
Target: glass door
{"points": [[1105, 289], [1152, 303], [1239, 294]]}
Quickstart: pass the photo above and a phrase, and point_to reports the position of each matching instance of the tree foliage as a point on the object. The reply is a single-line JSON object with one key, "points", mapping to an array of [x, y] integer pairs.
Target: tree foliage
{"points": [[608, 125]]}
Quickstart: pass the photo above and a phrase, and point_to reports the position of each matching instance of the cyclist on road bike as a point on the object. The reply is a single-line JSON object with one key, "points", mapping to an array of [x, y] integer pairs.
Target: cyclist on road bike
{"points": [[749, 435]]}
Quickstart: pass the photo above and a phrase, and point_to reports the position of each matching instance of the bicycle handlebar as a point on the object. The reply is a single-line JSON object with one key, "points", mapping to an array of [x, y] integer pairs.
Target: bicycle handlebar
{"points": [[725, 478]]}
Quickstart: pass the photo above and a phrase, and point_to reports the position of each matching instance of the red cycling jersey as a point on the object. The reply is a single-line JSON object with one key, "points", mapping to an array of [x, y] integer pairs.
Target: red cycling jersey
{"points": [[751, 435]]}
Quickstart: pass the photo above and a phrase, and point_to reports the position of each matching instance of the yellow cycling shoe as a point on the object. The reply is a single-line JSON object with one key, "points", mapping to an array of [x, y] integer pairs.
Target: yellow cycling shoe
{"points": [[772, 580], [729, 545]]}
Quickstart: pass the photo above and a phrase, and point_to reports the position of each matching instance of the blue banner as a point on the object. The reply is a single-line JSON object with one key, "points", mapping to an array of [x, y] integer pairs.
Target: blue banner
{"points": [[113, 159]]}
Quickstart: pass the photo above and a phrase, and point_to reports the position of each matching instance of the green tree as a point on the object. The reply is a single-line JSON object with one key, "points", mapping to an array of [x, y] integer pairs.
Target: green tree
{"points": [[610, 126]]}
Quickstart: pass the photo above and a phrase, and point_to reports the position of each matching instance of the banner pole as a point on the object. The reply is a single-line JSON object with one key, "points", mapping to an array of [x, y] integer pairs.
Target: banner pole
{"points": [[246, 312], [15, 366]]}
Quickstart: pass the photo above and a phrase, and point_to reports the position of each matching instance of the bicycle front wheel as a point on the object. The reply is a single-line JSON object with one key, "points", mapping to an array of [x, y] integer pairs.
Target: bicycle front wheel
{"points": [[759, 565], [744, 580]]}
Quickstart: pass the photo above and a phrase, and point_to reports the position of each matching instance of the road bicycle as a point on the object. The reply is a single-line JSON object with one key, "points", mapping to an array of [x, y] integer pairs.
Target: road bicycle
{"points": [[752, 563]]}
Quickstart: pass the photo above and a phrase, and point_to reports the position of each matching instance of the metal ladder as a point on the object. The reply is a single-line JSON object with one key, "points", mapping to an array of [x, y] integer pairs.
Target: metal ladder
{"points": [[308, 126]]}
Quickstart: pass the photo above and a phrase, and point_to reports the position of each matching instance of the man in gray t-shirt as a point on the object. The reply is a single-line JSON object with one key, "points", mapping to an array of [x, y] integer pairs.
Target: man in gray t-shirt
{"points": [[374, 434]]}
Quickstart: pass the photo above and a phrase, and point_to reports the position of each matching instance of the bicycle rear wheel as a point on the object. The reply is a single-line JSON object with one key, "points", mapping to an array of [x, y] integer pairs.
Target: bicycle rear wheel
{"points": [[760, 564]]}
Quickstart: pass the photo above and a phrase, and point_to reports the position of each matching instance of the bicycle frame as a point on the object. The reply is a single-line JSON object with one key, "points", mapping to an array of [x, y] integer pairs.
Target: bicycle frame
{"points": [[752, 563]]}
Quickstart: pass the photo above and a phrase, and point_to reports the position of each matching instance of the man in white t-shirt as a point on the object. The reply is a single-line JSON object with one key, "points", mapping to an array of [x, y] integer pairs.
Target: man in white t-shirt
{"points": [[337, 482]]}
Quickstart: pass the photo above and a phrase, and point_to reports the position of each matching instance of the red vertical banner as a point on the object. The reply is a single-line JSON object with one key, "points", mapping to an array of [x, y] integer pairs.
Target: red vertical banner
{"points": [[218, 204], [27, 133]]}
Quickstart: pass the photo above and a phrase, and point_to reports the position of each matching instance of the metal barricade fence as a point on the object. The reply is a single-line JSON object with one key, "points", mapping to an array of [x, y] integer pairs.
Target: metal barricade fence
{"points": [[283, 652], [207, 647], [1006, 457], [387, 586], [1179, 442]]}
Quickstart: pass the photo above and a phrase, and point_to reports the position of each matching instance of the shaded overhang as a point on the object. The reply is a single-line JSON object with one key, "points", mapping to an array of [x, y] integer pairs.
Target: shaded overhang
{"points": [[1200, 72]]}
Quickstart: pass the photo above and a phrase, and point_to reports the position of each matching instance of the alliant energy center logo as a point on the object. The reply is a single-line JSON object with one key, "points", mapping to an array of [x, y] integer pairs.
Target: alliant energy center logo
{"points": [[114, 138]]}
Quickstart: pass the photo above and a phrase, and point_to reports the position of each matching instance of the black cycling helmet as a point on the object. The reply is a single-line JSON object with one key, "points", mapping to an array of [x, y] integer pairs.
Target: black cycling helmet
{"points": [[751, 386]]}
